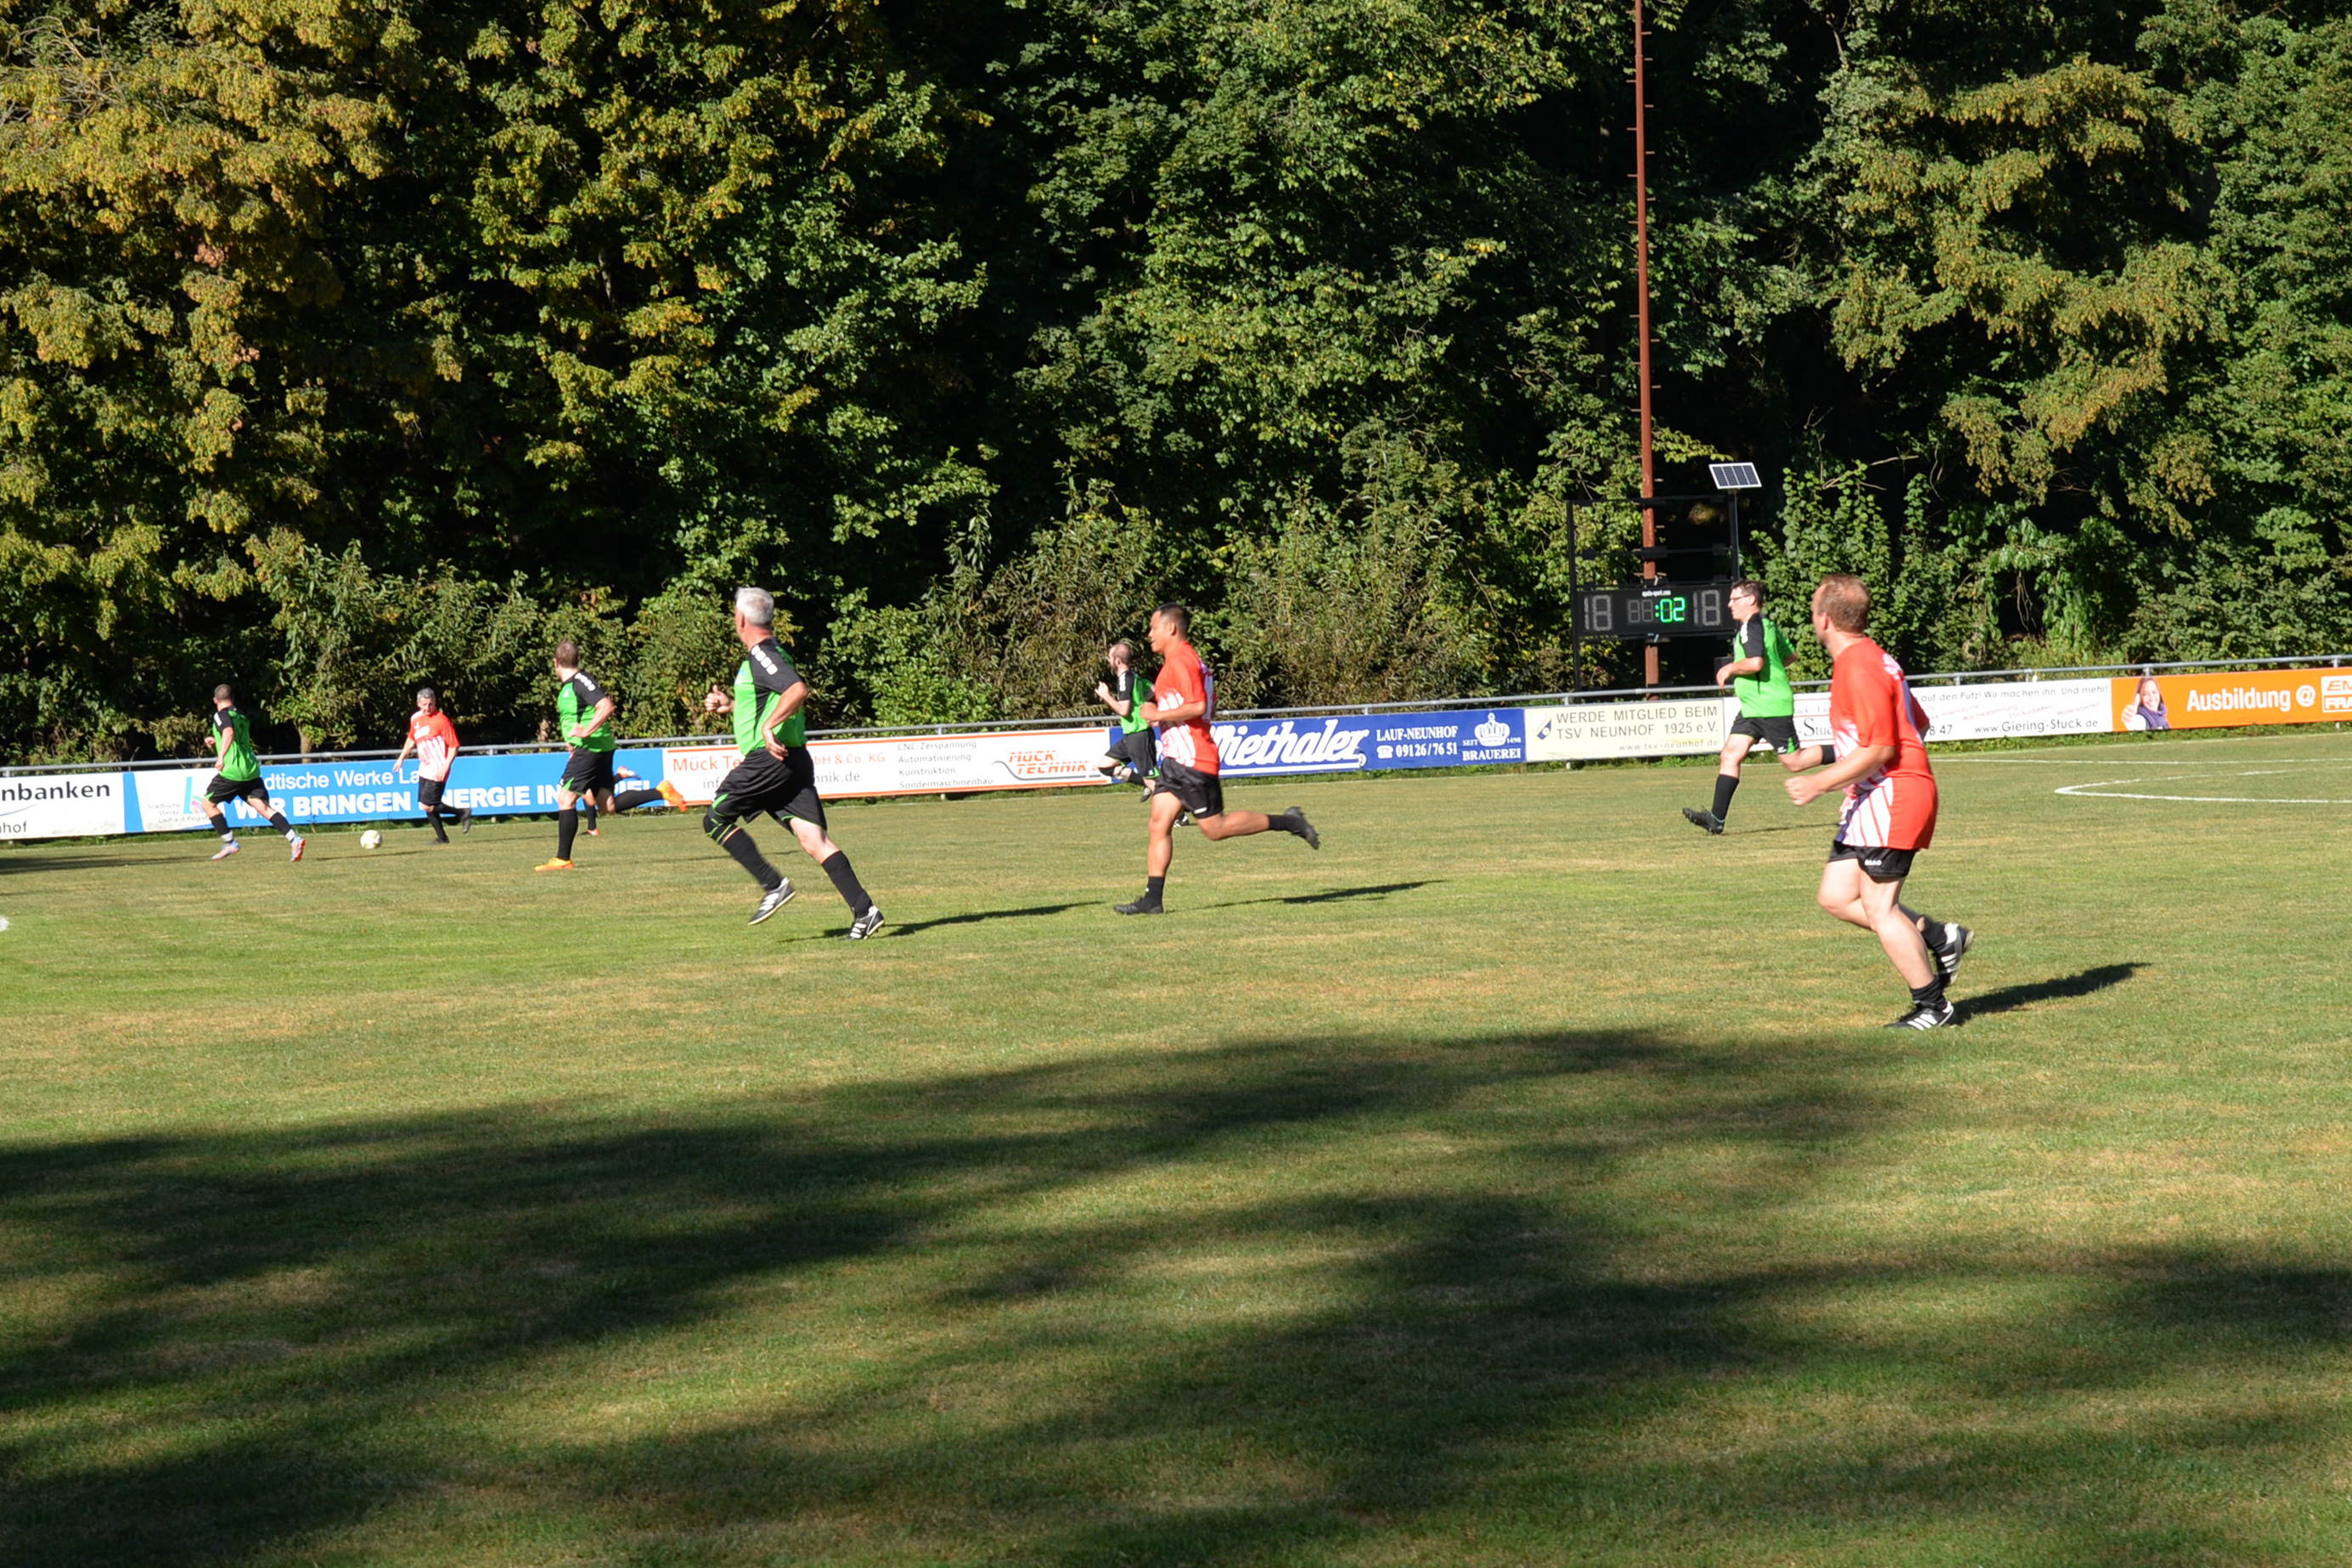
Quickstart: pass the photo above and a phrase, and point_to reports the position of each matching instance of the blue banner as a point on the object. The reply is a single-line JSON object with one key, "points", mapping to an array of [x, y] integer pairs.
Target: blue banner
{"points": [[507, 784], [1353, 743]]}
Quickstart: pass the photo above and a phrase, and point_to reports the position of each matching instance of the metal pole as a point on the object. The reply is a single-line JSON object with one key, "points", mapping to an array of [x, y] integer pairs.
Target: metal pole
{"points": [[1575, 611], [1641, 291], [1736, 572]]}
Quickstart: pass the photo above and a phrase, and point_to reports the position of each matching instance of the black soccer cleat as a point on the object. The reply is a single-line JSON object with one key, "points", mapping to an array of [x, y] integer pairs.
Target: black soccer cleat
{"points": [[774, 899], [1707, 819], [1957, 940], [1141, 906], [865, 924], [1302, 827], [1927, 1015], [465, 818]]}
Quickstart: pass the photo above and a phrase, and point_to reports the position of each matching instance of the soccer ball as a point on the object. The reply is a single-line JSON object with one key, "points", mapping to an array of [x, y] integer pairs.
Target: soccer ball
{"points": [[371, 840]]}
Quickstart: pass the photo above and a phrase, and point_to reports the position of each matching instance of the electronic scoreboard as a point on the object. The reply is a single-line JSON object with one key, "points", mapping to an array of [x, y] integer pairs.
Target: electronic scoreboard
{"points": [[1655, 608]]}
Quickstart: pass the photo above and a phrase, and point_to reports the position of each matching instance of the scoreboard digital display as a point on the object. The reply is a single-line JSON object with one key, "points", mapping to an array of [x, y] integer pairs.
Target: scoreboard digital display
{"points": [[1654, 609]]}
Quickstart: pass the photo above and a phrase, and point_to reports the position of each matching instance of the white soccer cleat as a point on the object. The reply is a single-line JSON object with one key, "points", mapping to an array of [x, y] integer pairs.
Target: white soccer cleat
{"points": [[774, 899], [226, 850], [294, 847]]}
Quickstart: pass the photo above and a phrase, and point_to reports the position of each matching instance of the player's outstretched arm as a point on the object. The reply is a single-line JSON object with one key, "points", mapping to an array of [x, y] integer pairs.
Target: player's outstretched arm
{"points": [[1859, 763]]}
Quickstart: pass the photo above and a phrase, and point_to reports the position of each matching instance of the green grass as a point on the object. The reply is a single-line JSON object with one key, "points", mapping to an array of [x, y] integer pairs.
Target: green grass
{"points": [[1520, 1180]]}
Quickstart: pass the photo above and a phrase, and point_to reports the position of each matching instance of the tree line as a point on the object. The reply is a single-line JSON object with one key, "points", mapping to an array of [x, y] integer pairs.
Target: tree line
{"points": [[347, 344]]}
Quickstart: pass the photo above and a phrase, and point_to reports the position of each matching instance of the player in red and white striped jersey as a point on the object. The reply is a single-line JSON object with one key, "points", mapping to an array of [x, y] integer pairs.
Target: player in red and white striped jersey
{"points": [[435, 740], [1184, 704], [1877, 752]]}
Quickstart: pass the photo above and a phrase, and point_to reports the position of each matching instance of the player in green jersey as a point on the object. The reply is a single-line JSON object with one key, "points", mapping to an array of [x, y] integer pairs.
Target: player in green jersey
{"points": [[1134, 756], [237, 776], [776, 774], [1757, 673], [584, 717]]}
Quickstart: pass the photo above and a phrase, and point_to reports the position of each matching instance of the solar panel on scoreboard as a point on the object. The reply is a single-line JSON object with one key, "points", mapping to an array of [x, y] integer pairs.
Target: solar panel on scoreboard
{"points": [[1735, 476]]}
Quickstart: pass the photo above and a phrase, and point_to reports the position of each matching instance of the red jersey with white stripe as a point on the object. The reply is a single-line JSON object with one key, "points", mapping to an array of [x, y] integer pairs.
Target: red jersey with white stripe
{"points": [[1893, 807], [436, 743], [1184, 679]]}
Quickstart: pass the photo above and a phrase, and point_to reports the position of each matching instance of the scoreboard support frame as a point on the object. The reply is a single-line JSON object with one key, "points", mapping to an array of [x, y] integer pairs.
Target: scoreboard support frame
{"points": [[1649, 565]]}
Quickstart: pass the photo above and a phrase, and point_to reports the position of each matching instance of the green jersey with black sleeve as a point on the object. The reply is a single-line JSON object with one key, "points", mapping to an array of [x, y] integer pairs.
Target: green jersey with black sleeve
{"points": [[238, 765], [575, 701], [765, 676], [1133, 696], [1766, 694]]}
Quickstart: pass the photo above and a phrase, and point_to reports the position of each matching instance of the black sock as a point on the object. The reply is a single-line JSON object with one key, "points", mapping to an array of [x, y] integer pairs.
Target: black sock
{"points": [[1933, 931], [1153, 886], [589, 811], [567, 828], [227, 833], [747, 855], [1929, 995], [630, 799], [845, 883], [278, 820], [433, 818], [1725, 783]]}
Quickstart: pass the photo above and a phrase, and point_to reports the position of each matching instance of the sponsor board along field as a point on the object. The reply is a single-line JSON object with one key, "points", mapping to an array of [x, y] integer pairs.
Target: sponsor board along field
{"points": [[1521, 1179]]}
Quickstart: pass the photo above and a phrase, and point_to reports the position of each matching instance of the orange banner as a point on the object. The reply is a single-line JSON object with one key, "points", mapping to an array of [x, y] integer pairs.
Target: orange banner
{"points": [[2215, 702]]}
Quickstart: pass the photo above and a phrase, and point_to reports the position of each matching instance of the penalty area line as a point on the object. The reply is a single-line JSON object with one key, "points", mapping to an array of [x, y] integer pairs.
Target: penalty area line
{"points": [[2103, 790]]}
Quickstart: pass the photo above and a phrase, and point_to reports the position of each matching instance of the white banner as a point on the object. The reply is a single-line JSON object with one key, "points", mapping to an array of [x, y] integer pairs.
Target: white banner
{"points": [[1682, 727], [60, 805], [1987, 712], [917, 764]]}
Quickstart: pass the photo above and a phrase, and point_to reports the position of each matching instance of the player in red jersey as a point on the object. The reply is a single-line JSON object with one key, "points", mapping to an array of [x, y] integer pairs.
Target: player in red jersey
{"points": [[1184, 704], [1876, 730], [435, 740]]}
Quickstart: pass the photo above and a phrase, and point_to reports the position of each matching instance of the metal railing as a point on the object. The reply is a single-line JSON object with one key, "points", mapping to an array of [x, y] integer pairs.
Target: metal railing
{"points": [[1317, 710]]}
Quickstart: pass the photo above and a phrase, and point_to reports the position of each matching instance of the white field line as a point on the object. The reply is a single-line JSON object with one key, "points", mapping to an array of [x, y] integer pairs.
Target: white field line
{"points": [[2106, 789]]}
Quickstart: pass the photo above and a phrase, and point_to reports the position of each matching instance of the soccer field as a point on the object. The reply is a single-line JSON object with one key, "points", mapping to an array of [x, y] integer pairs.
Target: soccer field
{"points": [[1521, 1179]]}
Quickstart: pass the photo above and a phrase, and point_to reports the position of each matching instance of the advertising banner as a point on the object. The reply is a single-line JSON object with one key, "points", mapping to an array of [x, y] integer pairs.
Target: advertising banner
{"points": [[917, 764], [1257, 748], [1988, 711], [61, 805], [2216, 702], [1582, 732], [171, 800]]}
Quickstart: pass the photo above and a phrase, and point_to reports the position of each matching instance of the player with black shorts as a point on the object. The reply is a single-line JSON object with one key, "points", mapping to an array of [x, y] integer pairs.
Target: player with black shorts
{"points": [[584, 717], [777, 775], [435, 740], [1878, 752], [237, 776], [1185, 705], [1757, 673], [1134, 756]]}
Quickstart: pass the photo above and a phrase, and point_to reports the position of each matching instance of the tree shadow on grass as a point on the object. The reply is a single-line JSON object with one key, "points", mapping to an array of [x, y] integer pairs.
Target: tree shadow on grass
{"points": [[2062, 988], [1239, 1305]]}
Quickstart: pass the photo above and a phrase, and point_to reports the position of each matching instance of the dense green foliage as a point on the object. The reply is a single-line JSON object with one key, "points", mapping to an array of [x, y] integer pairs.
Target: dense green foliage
{"points": [[344, 344]]}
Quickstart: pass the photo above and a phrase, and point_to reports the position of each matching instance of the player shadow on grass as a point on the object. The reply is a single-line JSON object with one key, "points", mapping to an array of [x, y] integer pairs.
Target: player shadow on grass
{"points": [[911, 927], [1284, 1298], [2063, 987], [1330, 895]]}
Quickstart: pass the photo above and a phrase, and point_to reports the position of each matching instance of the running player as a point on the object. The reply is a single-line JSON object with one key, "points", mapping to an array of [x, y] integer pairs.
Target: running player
{"points": [[1132, 756], [237, 776], [1758, 674], [1876, 728], [1184, 703], [584, 717], [435, 740], [776, 774]]}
